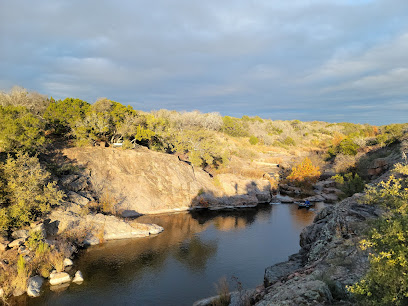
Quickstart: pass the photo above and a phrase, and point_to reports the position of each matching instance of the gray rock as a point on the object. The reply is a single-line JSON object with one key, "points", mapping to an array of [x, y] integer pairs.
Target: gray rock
{"points": [[91, 241], [40, 227], [77, 198], [34, 286], [263, 196], [316, 198], [276, 272], [66, 180], [19, 234], [60, 287], [283, 199], [79, 184], [18, 292], [330, 197]]}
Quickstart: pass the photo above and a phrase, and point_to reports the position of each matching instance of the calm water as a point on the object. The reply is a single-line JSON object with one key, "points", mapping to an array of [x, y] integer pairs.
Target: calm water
{"points": [[182, 264]]}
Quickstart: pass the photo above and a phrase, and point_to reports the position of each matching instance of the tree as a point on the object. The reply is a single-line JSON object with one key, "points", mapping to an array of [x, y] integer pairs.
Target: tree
{"points": [[62, 115], [27, 191], [304, 173], [20, 129], [18, 96]]}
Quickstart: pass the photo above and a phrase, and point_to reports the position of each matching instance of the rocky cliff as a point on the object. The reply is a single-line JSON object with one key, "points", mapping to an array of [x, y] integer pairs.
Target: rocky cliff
{"points": [[328, 261], [143, 181]]}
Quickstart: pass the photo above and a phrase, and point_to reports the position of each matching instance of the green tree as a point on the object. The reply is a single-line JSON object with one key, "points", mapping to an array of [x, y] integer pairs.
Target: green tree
{"points": [[20, 130], [234, 127], [62, 115], [28, 191]]}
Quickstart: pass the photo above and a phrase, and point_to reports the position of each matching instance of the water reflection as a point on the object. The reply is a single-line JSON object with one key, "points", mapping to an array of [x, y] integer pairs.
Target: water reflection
{"points": [[182, 264]]}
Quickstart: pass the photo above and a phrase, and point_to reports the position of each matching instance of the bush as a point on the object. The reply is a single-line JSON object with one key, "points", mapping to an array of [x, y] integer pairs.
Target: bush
{"points": [[253, 140], [288, 141], [349, 183], [233, 127], [305, 173], [28, 191], [386, 282]]}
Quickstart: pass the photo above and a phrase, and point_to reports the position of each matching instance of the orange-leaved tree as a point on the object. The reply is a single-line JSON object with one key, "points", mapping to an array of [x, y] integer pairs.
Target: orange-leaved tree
{"points": [[304, 174]]}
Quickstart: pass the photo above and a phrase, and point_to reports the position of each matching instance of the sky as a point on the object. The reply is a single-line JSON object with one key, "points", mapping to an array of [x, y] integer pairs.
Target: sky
{"points": [[328, 60]]}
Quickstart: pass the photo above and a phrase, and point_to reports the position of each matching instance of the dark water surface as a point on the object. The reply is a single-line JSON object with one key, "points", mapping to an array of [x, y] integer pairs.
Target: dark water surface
{"points": [[182, 264]]}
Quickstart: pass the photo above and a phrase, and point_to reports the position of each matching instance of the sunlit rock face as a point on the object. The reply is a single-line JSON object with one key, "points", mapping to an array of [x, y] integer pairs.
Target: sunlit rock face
{"points": [[143, 182]]}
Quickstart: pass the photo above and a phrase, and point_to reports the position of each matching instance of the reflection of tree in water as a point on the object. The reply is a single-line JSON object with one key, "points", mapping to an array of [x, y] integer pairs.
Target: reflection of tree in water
{"points": [[195, 253], [101, 269], [232, 219]]}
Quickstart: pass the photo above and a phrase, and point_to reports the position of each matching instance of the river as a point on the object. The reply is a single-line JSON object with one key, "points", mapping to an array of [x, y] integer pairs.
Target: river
{"points": [[182, 264]]}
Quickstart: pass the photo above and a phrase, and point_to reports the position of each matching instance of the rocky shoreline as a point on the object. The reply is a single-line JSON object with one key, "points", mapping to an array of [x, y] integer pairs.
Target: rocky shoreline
{"points": [[328, 261]]}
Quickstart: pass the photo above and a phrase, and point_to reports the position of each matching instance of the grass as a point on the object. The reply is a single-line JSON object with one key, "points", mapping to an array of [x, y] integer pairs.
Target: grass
{"points": [[223, 293]]}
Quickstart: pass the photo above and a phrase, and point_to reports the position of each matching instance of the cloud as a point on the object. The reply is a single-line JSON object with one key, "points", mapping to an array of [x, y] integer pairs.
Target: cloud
{"points": [[279, 59]]}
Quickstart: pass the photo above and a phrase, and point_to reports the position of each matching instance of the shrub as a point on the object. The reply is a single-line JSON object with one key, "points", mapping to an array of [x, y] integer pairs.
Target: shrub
{"points": [[28, 191], [385, 282], [305, 173], [223, 293], [233, 127], [253, 140], [349, 183], [288, 141]]}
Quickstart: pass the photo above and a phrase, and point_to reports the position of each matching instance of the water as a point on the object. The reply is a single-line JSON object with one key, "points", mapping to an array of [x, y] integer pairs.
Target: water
{"points": [[182, 264]]}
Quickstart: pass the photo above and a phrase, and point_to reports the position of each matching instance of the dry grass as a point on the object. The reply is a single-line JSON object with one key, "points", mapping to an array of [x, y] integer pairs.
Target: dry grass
{"points": [[223, 293], [108, 203]]}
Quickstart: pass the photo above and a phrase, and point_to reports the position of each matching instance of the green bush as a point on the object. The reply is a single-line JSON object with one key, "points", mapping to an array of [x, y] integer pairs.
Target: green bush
{"points": [[386, 281], [349, 183], [253, 140], [288, 141], [20, 130], [62, 115], [27, 191], [234, 127]]}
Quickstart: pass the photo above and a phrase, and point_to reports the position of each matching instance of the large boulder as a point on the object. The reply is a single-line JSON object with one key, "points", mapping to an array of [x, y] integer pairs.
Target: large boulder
{"points": [[140, 180], [276, 272], [98, 227]]}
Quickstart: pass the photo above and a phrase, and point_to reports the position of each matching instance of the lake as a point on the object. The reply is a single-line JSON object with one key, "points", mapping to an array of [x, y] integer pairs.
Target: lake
{"points": [[183, 263]]}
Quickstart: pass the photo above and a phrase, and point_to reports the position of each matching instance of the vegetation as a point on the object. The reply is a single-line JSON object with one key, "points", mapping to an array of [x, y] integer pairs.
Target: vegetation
{"points": [[304, 174], [27, 191], [386, 282], [349, 183], [31, 125]]}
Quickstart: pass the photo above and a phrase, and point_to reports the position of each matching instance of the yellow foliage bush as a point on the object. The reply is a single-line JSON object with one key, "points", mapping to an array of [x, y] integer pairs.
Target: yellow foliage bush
{"points": [[305, 173]]}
